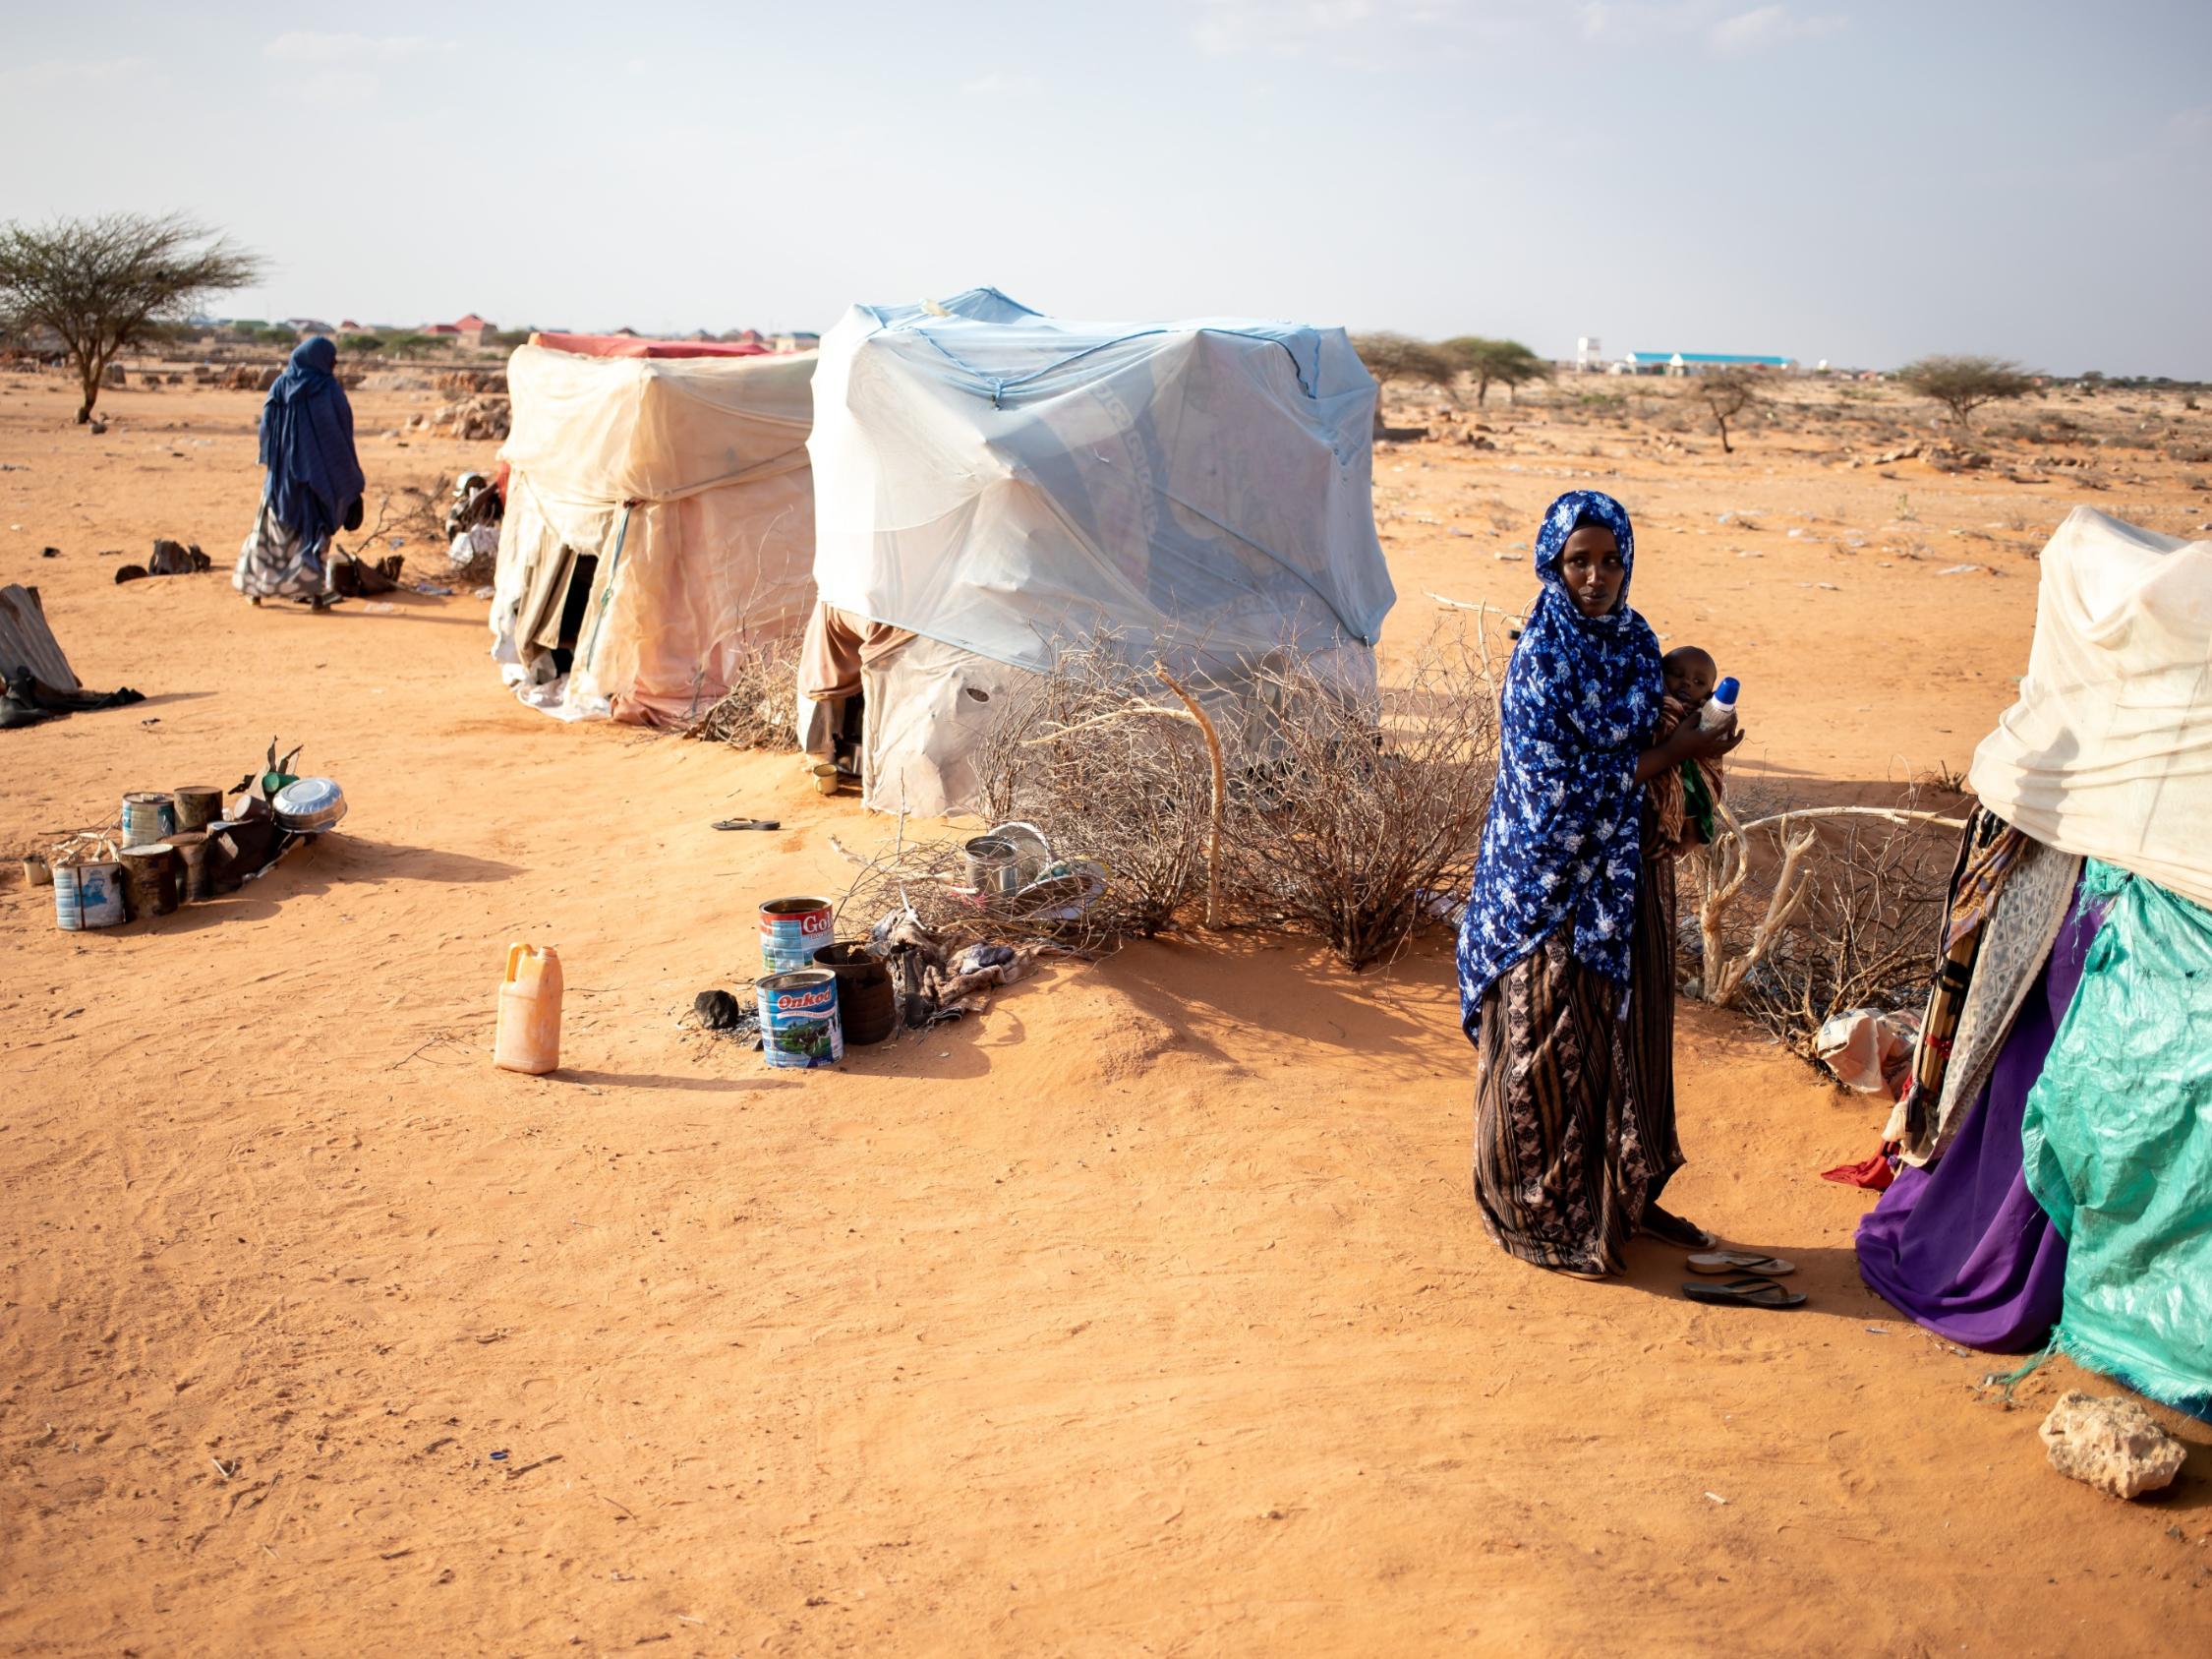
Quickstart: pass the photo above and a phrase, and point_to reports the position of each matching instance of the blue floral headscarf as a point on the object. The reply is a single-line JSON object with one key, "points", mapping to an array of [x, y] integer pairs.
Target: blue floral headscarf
{"points": [[1562, 841]]}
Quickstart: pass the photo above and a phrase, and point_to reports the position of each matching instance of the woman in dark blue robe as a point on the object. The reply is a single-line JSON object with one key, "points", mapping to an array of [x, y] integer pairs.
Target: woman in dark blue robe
{"points": [[314, 480]]}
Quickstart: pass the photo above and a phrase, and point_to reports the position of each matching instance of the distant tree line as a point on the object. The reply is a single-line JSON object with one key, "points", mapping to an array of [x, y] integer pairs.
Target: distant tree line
{"points": [[1408, 361]]}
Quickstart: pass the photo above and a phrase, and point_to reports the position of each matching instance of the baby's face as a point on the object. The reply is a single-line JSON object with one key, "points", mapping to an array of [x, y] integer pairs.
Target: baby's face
{"points": [[1690, 678]]}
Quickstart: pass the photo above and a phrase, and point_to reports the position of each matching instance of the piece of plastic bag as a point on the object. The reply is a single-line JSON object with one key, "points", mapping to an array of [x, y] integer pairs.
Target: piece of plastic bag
{"points": [[1869, 1049]]}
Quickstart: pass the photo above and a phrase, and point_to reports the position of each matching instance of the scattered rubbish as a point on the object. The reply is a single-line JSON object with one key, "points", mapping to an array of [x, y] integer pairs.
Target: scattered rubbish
{"points": [[1869, 1049], [1962, 570], [1508, 554], [379, 608], [528, 1034], [309, 805], [799, 1017], [169, 846], [976, 957], [1749, 552], [130, 573], [484, 592], [1830, 587], [1871, 1173], [498, 1457], [725, 1016], [49, 553], [150, 879], [36, 872], [197, 805], [1716, 1498], [1875, 1330], [88, 894], [149, 815], [749, 824], [935, 987], [431, 589], [867, 1000], [792, 930], [175, 559], [2111, 1443], [1795, 534], [991, 865], [717, 1010]]}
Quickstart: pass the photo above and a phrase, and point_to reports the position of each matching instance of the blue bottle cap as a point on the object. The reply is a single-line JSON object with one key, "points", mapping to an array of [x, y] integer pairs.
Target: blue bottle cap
{"points": [[1725, 692]]}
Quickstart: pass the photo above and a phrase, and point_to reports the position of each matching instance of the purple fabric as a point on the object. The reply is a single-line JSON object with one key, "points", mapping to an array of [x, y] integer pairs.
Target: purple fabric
{"points": [[1964, 1249]]}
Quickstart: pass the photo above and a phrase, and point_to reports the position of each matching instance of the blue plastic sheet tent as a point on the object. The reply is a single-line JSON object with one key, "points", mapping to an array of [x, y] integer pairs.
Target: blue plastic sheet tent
{"points": [[1003, 483]]}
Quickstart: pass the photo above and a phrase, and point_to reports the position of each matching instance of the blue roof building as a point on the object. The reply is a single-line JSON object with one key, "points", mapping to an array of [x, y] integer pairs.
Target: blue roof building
{"points": [[1700, 361]]}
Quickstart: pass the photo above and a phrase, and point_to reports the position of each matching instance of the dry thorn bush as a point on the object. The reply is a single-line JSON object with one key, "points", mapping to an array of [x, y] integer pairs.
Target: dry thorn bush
{"points": [[1351, 812], [759, 710], [1105, 758], [1835, 908], [1359, 815]]}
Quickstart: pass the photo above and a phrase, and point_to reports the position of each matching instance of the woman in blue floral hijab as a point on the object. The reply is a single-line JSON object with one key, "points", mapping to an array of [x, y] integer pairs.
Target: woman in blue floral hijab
{"points": [[1566, 953]]}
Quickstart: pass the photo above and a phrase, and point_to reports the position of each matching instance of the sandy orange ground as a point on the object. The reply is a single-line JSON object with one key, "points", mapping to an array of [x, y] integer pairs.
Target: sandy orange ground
{"points": [[1148, 1313]]}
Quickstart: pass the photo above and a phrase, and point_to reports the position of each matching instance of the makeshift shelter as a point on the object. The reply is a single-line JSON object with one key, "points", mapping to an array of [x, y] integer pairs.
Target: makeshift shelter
{"points": [[27, 642], [997, 483], [660, 522], [2058, 1128]]}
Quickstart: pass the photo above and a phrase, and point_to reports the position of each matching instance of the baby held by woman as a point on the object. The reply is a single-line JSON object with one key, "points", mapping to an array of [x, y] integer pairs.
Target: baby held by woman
{"points": [[1683, 800]]}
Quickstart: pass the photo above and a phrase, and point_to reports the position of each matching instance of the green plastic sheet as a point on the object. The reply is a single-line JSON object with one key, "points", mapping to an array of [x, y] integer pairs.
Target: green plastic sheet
{"points": [[2117, 1144]]}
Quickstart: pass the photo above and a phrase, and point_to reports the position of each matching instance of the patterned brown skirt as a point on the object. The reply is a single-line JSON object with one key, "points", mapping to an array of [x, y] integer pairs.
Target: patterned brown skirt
{"points": [[1574, 1109]]}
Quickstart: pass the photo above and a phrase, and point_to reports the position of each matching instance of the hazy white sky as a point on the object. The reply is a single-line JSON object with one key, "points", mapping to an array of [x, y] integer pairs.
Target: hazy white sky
{"points": [[1850, 179]]}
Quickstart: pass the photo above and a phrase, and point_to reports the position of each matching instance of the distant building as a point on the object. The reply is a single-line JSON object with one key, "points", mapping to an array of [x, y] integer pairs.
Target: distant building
{"points": [[1589, 355], [797, 342], [305, 324], [473, 328], [1700, 361], [438, 330]]}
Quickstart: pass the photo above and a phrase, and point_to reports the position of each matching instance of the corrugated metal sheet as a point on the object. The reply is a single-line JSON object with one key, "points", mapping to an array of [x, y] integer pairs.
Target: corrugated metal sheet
{"points": [[26, 641]]}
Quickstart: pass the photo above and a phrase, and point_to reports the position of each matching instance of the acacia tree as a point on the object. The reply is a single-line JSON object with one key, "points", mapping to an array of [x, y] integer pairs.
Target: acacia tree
{"points": [[102, 283], [1507, 363], [1963, 385], [1400, 357], [1728, 395]]}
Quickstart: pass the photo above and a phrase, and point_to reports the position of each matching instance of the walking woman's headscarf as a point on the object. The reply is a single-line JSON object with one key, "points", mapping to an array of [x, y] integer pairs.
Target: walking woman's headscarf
{"points": [[1562, 844], [307, 444]]}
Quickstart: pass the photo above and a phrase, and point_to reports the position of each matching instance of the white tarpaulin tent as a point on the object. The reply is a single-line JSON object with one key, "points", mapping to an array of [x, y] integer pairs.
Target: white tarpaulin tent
{"points": [[2107, 752], [997, 480], [660, 523]]}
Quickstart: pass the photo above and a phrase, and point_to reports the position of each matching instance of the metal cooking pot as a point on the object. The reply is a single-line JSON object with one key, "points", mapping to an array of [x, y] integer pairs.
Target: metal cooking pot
{"points": [[309, 805]]}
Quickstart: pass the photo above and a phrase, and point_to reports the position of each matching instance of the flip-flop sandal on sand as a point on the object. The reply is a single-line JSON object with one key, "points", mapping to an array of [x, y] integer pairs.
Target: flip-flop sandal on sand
{"points": [[1745, 1293], [1741, 1262]]}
